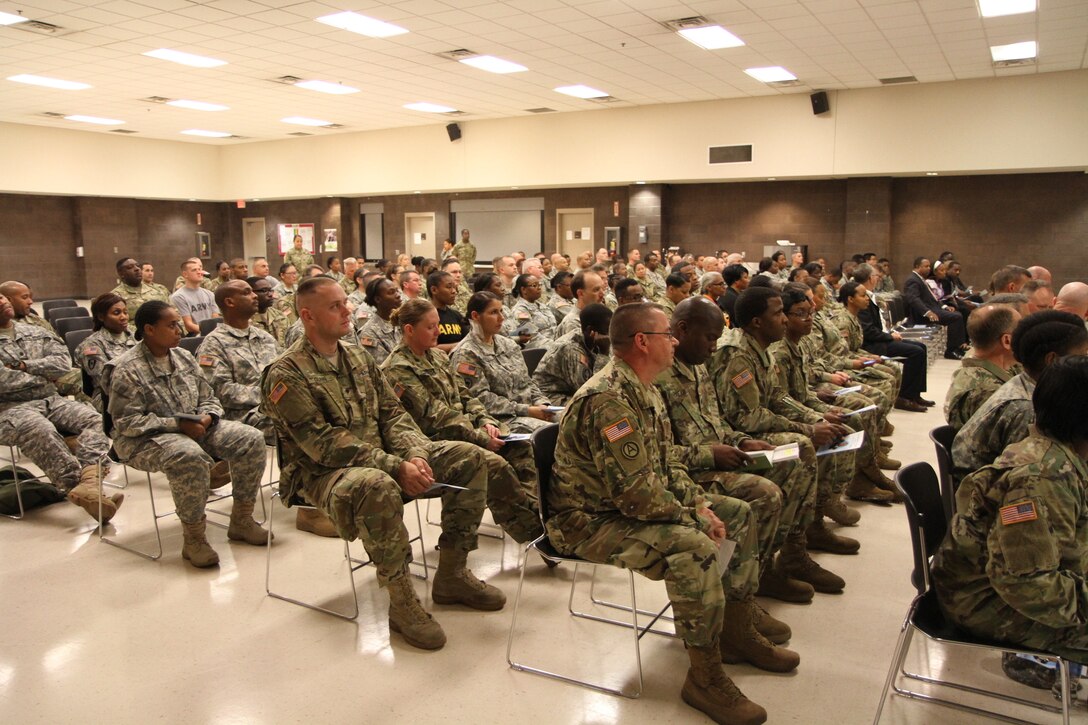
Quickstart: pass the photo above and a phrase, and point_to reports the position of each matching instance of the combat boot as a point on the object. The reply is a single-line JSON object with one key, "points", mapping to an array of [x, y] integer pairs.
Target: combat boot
{"points": [[876, 476], [889, 429], [888, 464], [408, 617], [794, 561], [315, 522], [776, 584], [455, 584], [709, 690], [88, 493], [839, 512], [862, 489], [220, 475], [243, 527], [196, 550], [775, 630], [741, 642], [820, 538]]}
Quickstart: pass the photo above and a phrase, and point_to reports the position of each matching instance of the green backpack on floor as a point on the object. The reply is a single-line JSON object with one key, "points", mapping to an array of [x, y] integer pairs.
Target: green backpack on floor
{"points": [[35, 493]]}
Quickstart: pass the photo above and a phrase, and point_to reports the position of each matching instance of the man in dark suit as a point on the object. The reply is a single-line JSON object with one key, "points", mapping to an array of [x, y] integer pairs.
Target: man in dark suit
{"points": [[925, 308]]}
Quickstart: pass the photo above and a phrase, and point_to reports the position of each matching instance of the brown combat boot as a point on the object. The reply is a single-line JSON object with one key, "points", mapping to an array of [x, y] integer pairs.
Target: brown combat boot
{"points": [[455, 584], [709, 690], [882, 482], [889, 429], [862, 489], [196, 550], [820, 538], [888, 464], [315, 522], [794, 560], [741, 642], [776, 584], [87, 494], [220, 475], [775, 630], [243, 527], [408, 617], [839, 512]]}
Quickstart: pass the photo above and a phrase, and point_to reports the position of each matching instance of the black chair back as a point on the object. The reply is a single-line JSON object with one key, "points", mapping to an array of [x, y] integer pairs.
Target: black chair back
{"points": [[50, 304], [191, 343], [544, 440], [67, 324], [209, 324], [74, 339], [60, 313], [942, 441], [533, 356], [925, 512]]}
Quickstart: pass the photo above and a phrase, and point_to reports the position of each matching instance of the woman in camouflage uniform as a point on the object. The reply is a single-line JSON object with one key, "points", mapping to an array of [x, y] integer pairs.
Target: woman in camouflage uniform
{"points": [[378, 336], [110, 339], [528, 311]]}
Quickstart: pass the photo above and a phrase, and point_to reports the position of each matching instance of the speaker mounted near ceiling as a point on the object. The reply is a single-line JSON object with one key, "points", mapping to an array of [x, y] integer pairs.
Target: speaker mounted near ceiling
{"points": [[454, 131], [820, 102]]}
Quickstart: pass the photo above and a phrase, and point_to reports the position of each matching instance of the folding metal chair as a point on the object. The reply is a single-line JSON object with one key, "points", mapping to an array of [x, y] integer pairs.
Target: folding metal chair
{"points": [[544, 441], [925, 512], [12, 457], [533, 356], [64, 325], [191, 343], [51, 304], [942, 438], [206, 326], [61, 313]]}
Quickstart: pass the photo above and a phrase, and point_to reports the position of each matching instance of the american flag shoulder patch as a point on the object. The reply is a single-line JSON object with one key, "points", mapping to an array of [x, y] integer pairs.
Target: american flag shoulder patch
{"points": [[742, 379], [90, 350], [1018, 513], [207, 361], [366, 341], [466, 369], [618, 430], [278, 391], [398, 390]]}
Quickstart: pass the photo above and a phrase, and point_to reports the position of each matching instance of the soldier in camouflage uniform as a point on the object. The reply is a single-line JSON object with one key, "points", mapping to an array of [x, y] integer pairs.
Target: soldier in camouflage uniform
{"points": [[529, 312], [166, 418], [133, 290], [987, 368], [588, 287], [711, 449], [441, 406], [110, 339], [1007, 415], [33, 416], [620, 496], [493, 369], [465, 251], [350, 449], [298, 256], [752, 399], [378, 335], [1012, 568], [268, 318], [21, 299], [575, 357], [560, 305], [147, 272]]}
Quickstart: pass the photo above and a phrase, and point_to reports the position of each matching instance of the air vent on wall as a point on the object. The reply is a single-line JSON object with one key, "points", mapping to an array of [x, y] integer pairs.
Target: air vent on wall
{"points": [[697, 21], [897, 80], [730, 154], [1014, 63], [39, 27], [123, 130], [332, 126], [540, 110], [604, 99], [155, 99], [286, 80], [458, 54], [784, 84]]}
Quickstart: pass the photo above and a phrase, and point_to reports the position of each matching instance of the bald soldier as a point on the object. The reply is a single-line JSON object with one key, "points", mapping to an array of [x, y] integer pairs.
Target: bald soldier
{"points": [[621, 496], [351, 450], [987, 368]]}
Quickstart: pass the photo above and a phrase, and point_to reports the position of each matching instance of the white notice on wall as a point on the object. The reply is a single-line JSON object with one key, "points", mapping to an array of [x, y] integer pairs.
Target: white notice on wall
{"points": [[570, 235], [417, 238], [585, 233]]}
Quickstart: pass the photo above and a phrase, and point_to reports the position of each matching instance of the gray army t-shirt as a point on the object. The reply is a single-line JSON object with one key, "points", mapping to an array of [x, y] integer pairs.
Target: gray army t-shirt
{"points": [[197, 303]]}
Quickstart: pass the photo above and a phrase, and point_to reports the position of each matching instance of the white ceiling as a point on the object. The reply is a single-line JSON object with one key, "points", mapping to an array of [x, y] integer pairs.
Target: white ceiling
{"points": [[618, 46]]}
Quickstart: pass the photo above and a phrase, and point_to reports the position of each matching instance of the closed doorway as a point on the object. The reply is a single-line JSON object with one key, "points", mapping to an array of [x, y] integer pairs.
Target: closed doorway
{"points": [[574, 231], [254, 239], [419, 238]]}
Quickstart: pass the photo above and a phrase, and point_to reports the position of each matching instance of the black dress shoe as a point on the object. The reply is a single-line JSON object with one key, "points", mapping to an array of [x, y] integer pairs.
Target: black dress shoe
{"points": [[954, 355], [923, 402]]}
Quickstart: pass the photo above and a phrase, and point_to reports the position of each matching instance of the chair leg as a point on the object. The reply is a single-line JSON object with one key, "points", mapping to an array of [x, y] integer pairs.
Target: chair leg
{"points": [[18, 487], [902, 646], [155, 516], [645, 612], [422, 546], [1067, 690]]}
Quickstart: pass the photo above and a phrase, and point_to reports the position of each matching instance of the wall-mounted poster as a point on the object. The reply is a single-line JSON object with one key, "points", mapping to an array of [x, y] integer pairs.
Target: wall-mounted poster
{"points": [[287, 233], [330, 244], [204, 245]]}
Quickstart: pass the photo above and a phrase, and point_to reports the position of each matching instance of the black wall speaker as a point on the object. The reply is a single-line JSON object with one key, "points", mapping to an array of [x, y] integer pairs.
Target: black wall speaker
{"points": [[820, 104], [455, 131]]}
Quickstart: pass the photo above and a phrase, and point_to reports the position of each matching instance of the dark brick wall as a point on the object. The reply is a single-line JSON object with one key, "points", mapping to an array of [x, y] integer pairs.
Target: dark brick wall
{"points": [[38, 244], [323, 213]]}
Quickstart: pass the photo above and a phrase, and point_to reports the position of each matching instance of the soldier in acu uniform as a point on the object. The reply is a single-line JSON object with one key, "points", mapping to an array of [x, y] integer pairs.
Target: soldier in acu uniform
{"points": [[620, 496], [268, 318], [575, 357], [378, 335], [111, 338], [350, 449]]}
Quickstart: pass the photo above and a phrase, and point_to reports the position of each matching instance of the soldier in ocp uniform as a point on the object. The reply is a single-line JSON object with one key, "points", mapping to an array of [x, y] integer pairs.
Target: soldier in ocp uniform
{"points": [[111, 338], [575, 357], [465, 252], [298, 256], [268, 318], [620, 496], [133, 290], [351, 450], [987, 368]]}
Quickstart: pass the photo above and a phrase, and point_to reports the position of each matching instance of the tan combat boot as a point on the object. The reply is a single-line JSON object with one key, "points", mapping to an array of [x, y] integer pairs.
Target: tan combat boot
{"points": [[795, 562], [408, 617], [315, 522], [775, 630], [820, 538], [862, 489], [196, 550], [741, 642], [243, 527], [220, 475], [87, 493], [836, 510], [888, 428], [455, 584], [777, 584], [709, 690], [888, 464]]}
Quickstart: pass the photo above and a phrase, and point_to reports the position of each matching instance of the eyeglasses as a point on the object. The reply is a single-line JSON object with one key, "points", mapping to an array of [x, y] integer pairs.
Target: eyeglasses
{"points": [[669, 333]]}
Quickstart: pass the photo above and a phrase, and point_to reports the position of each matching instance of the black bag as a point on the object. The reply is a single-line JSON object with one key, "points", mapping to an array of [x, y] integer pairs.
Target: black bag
{"points": [[35, 492]]}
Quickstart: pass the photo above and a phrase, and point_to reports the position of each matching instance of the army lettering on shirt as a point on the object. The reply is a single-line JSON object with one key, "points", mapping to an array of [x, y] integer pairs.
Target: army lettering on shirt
{"points": [[452, 326]]}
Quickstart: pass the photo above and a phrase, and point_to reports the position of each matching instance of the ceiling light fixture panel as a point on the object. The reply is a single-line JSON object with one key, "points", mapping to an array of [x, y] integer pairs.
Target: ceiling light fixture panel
{"points": [[580, 91], [94, 119], [189, 59], [771, 74], [711, 37], [197, 105], [1014, 51], [303, 121], [429, 107], [998, 8], [49, 82], [206, 134], [491, 64], [362, 24], [336, 89], [11, 19]]}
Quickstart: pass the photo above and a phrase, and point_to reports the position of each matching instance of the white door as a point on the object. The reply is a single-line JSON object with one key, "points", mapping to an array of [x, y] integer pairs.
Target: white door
{"points": [[254, 239], [574, 232], [419, 238]]}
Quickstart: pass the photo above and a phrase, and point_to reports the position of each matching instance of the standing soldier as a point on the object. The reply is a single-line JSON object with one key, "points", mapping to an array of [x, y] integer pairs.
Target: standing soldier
{"points": [[298, 256], [465, 251]]}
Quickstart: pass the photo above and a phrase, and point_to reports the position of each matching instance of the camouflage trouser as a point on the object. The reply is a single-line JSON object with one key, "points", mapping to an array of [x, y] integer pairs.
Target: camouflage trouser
{"points": [[256, 419], [686, 559], [885, 377], [37, 427], [869, 422], [833, 473], [798, 481], [525, 424], [366, 504], [1003, 624], [187, 464], [511, 491], [762, 496], [71, 383]]}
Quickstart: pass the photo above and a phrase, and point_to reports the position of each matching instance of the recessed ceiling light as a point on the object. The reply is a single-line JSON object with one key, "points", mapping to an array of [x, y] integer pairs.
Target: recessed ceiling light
{"points": [[997, 8], [429, 107], [931, 173], [771, 74], [303, 121], [197, 105], [772, 178], [10, 19], [711, 37], [94, 119], [1014, 51], [640, 182], [580, 91], [49, 82], [361, 24], [491, 64], [337, 89], [177, 56], [206, 134], [417, 192]]}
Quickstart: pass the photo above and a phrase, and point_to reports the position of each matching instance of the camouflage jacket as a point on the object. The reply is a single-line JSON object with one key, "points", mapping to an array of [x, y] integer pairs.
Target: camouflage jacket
{"points": [[613, 461], [1017, 548], [436, 397], [829, 351], [96, 350], [1005, 418], [32, 318], [535, 315], [497, 375], [972, 385], [696, 421], [466, 255], [850, 329], [42, 353], [232, 361], [463, 295], [136, 296], [378, 337], [300, 258], [560, 307], [750, 392], [797, 373], [274, 322], [144, 398], [565, 367], [330, 417], [571, 321]]}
